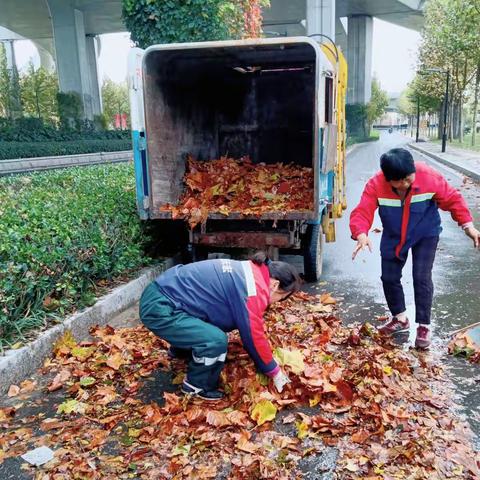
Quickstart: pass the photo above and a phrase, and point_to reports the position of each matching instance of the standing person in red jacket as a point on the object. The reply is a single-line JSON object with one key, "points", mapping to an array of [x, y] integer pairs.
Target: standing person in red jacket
{"points": [[408, 195]]}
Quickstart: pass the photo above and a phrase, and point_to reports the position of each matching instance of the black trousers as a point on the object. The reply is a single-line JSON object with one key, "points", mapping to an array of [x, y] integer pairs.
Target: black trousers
{"points": [[423, 255]]}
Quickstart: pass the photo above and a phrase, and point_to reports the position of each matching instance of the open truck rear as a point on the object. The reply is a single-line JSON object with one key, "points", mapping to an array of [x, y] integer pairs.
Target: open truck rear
{"points": [[274, 100]]}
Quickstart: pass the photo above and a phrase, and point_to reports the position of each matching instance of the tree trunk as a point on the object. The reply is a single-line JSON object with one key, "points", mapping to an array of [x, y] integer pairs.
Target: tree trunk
{"points": [[475, 105], [37, 104], [440, 121], [460, 118]]}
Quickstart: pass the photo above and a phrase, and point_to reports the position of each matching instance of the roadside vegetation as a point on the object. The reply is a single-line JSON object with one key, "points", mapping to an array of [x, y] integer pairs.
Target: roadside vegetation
{"points": [[62, 235]]}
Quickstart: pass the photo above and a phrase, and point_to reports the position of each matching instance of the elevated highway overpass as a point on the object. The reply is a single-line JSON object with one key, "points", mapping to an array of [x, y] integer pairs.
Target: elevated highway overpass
{"points": [[66, 32]]}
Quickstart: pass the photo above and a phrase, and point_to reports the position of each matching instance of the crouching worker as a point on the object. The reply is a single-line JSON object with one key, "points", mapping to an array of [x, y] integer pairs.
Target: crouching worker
{"points": [[193, 306]]}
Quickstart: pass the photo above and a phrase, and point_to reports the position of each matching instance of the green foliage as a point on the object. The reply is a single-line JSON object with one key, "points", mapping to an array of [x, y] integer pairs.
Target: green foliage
{"points": [[356, 115], [115, 100], [450, 41], [70, 108], [39, 90], [377, 104], [10, 101], [417, 89], [46, 149], [353, 139], [167, 21], [60, 233], [35, 129]]}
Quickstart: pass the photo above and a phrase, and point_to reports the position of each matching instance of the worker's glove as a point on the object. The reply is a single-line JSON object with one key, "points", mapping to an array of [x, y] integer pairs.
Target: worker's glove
{"points": [[280, 380]]}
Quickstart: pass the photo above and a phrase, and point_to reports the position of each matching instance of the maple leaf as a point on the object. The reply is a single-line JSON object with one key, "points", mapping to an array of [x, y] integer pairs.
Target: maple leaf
{"points": [[292, 358], [115, 361], [64, 344], [72, 406], [217, 419], [181, 450], [264, 411], [13, 391], [82, 353], [59, 380], [302, 429], [87, 381]]}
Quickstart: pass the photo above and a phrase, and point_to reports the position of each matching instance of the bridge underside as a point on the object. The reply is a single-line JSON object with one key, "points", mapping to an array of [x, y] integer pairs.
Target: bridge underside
{"points": [[65, 32]]}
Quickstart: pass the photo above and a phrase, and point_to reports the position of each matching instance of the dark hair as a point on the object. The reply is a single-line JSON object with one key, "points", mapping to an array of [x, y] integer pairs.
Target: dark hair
{"points": [[285, 273], [396, 164]]}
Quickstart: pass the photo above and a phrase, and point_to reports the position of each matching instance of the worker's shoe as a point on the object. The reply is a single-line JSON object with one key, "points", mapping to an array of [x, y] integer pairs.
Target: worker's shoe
{"points": [[423, 339], [210, 395], [395, 326]]}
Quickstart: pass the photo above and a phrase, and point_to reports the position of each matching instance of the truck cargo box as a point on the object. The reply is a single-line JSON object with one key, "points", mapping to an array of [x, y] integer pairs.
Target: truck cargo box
{"points": [[274, 100]]}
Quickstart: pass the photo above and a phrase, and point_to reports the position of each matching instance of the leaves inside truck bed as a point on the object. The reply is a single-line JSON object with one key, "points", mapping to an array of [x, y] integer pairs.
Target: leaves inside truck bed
{"points": [[227, 185]]}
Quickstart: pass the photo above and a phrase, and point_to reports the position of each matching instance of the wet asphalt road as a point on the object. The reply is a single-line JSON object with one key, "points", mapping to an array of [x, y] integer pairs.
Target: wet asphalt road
{"points": [[456, 272]]}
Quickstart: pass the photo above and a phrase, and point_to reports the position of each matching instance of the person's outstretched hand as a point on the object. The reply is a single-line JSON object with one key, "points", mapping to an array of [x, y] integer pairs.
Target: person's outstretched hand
{"points": [[474, 234], [362, 242], [280, 380]]}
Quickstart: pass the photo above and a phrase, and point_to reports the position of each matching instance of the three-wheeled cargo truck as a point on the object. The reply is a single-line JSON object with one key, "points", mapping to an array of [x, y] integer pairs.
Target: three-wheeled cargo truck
{"points": [[274, 100]]}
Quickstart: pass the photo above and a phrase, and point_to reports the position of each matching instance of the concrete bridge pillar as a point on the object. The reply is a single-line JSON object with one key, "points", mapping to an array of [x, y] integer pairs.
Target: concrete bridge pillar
{"points": [[46, 59], [15, 104], [359, 58], [75, 55], [321, 17]]}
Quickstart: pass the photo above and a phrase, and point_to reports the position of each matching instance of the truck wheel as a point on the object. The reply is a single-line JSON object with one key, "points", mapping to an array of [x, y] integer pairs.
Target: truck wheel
{"points": [[312, 254]]}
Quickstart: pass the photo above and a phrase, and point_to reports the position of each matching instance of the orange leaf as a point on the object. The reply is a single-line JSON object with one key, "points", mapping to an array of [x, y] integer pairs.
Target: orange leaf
{"points": [[115, 361]]}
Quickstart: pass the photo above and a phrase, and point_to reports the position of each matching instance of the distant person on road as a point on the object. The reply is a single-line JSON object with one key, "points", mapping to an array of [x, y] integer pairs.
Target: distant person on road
{"points": [[193, 306], [408, 195]]}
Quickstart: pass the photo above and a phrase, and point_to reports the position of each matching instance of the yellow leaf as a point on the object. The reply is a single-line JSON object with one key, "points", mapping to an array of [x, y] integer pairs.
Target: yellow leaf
{"points": [[64, 344], [134, 432], [387, 370], [82, 353], [72, 406], [302, 429], [458, 470], [264, 411], [315, 400], [378, 470], [17, 345], [292, 358], [115, 361], [182, 450], [178, 380]]}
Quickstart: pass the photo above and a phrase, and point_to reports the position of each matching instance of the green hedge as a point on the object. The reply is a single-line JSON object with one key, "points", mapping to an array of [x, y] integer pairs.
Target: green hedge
{"points": [[36, 130], [9, 150], [60, 233]]}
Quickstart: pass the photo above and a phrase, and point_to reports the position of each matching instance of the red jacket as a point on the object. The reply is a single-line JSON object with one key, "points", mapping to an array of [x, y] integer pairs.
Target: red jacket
{"points": [[407, 221]]}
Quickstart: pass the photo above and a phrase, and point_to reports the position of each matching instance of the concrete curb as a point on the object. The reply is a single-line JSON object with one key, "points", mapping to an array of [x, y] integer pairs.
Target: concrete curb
{"points": [[35, 164], [19, 364], [448, 163]]}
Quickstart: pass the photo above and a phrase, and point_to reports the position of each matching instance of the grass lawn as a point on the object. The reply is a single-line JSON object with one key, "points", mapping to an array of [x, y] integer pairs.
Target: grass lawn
{"points": [[466, 144]]}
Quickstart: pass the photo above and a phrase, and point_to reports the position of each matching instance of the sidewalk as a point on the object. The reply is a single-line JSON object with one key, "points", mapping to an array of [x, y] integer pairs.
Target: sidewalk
{"points": [[462, 160]]}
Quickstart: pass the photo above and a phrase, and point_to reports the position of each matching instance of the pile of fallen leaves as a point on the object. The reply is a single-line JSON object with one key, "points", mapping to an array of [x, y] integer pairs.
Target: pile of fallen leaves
{"points": [[228, 186], [462, 344], [384, 411]]}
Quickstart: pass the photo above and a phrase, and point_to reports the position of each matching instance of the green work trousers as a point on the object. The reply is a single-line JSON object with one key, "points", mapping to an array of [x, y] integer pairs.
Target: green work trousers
{"points": [[207, 342]]}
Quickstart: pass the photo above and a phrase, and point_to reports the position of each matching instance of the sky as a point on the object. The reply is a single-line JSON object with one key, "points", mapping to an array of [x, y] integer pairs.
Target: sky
{"points": [[393, 55]]}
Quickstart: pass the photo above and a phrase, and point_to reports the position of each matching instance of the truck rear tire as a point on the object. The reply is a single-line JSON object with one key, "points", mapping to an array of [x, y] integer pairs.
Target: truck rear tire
{"points": [[313, 253]]}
